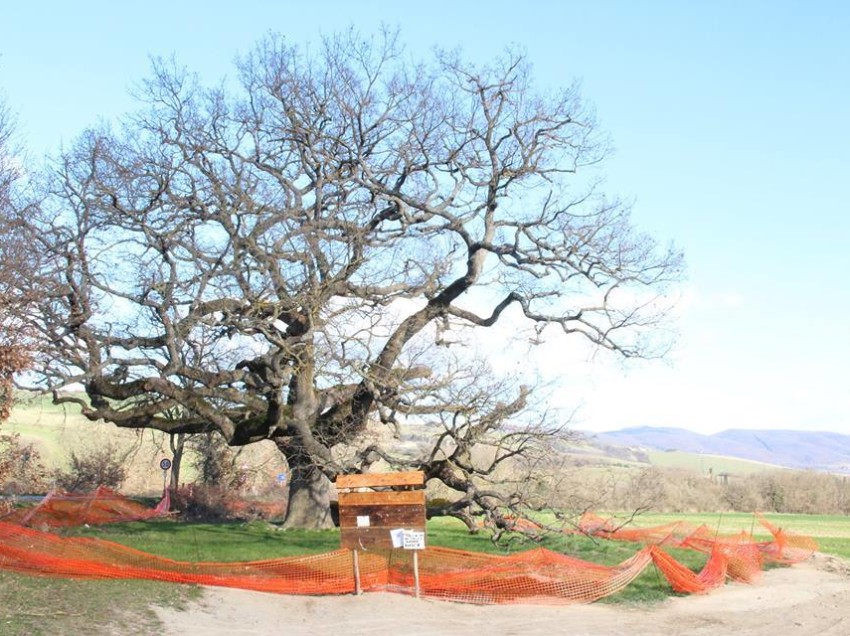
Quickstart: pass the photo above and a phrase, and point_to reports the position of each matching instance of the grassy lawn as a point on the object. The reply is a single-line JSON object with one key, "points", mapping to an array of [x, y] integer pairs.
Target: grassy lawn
{"points": [[219, 542], [34, 606], [837, 547]]}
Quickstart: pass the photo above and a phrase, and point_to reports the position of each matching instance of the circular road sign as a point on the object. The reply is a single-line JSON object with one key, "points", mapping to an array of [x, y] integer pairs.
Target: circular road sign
{"points": [[165, 464]]}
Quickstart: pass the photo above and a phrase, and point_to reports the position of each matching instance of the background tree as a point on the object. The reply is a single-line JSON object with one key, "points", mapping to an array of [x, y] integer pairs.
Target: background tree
{"points": [[14, 269], [290, 256], [177, 444]]}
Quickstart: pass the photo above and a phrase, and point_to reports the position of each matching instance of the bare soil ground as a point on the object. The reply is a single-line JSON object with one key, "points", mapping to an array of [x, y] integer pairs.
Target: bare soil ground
{"points": [[807, 599]]}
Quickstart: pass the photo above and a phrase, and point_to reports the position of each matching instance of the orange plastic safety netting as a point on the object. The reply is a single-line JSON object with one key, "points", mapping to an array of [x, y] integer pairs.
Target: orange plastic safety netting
{"points": [[536, 576], [743, 550], [60, 510]]}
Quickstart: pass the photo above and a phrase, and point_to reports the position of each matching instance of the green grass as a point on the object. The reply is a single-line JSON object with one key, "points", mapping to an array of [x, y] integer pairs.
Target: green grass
{"points": [[700, 463], [217, 542], [35, 606], [837, 547], [259, 540], [48, 425], [817, 526]]}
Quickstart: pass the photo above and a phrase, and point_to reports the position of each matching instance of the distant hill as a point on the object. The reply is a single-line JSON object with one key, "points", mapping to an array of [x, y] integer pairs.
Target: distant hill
{"points": [[793, 449]]}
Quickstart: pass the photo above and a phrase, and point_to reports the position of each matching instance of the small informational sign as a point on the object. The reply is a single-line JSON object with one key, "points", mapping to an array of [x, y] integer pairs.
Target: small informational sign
{"points": [[397, 537], [281, 479], [363, 521], [165, 464], [413, 540], [407, 539]]}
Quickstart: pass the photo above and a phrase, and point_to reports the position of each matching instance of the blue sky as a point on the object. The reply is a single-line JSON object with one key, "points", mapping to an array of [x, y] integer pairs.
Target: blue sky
{"points": [[731, 123]]}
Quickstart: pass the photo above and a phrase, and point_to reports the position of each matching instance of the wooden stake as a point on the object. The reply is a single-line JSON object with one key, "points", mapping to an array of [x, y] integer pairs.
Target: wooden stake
{"points": [[357, 589], [416, 572]]}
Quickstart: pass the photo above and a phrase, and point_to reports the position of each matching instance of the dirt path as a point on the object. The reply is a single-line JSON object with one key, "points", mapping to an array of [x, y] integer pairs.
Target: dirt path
{"points": [[808, 599]]}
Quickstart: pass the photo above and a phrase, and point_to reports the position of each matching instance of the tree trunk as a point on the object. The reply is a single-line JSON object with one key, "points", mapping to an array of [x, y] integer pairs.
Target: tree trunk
{"points": [[309, 499], [177, 443]]}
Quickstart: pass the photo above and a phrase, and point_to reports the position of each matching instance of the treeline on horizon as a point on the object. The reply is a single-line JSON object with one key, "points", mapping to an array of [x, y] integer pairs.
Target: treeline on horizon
{"points": [[682, 490]]}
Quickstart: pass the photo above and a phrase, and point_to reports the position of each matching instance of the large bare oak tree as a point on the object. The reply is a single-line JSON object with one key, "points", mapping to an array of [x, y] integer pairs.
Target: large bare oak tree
{"points": [[289, 255]]}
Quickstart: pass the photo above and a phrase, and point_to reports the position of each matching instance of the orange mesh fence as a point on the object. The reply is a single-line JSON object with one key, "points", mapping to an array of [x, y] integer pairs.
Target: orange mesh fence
{"points": [[31, 551], [60, 510], [786, 548], [257, 509], [535, 576], [667, 534], [683, 580], [743, 551], [540, 575], [744, 556]]}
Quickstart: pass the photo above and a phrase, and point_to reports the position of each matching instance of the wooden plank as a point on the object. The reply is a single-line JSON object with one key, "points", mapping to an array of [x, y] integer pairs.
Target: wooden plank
{"points": [[365, 538], [390, 516], [388, 498], [349, 512], [370, 538], [379, 480]]}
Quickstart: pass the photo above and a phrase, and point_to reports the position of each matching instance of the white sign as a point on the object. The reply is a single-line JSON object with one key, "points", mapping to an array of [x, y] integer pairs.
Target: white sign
{"points": [[362, 521], [397, 537], [414, 540], [407, 539]]}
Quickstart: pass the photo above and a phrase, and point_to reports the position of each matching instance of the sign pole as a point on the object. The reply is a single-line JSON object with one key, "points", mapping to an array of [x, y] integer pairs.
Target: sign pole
{"points": [[357, 589], [165, 464], [416, 572]]}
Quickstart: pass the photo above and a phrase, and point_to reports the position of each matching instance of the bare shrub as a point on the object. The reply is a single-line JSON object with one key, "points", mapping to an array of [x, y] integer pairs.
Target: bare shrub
{"points": [[21, 468], [772, 493], [200, 502], [105, 465]]}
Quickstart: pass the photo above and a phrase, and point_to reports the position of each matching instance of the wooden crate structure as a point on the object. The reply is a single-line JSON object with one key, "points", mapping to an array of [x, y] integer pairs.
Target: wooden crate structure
{"points": [[366, 515]]}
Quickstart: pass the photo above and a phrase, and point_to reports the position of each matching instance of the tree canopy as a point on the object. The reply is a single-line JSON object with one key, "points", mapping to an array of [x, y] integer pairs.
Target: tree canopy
{"points": [[288, 254]]}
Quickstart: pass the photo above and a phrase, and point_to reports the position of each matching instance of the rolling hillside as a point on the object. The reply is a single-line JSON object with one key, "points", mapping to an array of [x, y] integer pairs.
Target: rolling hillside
{"points": [[56, 431], [792, 449]]}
